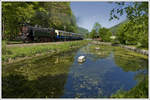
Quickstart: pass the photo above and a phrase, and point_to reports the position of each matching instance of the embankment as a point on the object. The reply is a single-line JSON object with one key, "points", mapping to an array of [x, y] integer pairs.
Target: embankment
{"points": [[17, 53]]}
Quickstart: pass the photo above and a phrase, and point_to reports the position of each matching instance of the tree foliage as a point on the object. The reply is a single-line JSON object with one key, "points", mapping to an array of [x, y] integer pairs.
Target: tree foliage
{"points": [[13, 14], [92, 33], [135, 31], [56, 15], [95, 30], [105, 34], [101, 32], [96, 27]]}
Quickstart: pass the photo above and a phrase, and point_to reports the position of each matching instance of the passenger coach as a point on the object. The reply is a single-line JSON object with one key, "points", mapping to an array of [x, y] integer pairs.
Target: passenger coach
{"points": [[63, 35]]}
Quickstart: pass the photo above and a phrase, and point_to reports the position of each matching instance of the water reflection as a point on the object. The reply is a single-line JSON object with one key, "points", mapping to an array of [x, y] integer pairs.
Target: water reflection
{"points": [[18, 86], [125, 60], [128, 62], [41, 78], [101, 75], [104, 72]]}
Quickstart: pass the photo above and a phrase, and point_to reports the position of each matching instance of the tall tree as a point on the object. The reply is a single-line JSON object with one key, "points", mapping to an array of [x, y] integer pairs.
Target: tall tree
{"points": [[95, 30], [96, 27], [56, 15], [13, 14], [92, 33], [137, 26], [105, 34]]}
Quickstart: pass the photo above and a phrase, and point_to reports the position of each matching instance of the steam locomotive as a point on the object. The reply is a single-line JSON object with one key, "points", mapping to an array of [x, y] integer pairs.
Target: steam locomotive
{"points": [[30, 34]]}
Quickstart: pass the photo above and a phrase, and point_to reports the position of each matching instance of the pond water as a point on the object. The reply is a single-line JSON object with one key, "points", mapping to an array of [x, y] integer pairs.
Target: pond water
{"points": [[103, 73]]}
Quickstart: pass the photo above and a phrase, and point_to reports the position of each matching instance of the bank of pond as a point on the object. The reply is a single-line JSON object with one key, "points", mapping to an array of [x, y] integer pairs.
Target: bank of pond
{"points": [[20, 52], [108, 72]]}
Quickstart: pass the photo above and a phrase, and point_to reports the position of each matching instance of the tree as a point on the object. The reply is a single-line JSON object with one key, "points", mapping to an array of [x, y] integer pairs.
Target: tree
{"points": [[57, 15], [105, 34], [137, 27], [96, 27], [92, 33], [13, 14]]}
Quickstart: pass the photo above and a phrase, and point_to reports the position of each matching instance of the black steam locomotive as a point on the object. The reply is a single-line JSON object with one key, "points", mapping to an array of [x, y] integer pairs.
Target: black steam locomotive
{"points": [[31, 34]]}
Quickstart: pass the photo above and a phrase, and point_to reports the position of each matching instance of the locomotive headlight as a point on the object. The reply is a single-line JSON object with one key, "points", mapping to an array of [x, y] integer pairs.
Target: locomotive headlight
{"points": [[56, 31]]}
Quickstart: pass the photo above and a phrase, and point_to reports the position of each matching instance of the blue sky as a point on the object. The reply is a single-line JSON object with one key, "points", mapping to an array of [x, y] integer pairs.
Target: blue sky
{"points": [[87, 13]]}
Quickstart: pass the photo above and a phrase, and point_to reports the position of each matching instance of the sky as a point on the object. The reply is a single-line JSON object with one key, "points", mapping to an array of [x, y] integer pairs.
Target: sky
{"points": [[87, 13]]}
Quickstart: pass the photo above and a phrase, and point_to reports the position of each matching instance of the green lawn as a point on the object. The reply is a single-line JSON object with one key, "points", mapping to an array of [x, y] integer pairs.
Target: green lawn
{"points": [[29, 51]]}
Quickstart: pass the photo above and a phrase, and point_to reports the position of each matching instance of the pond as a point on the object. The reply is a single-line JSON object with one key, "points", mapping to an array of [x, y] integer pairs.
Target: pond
{"points": [[61, 76]]}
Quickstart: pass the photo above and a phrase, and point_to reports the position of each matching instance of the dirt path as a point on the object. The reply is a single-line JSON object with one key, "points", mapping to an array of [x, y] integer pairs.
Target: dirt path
{"points": [[31, 44]]}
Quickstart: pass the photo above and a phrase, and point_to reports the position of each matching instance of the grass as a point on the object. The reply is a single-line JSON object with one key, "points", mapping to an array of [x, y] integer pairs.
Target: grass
{"points": [[13, 53]]}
